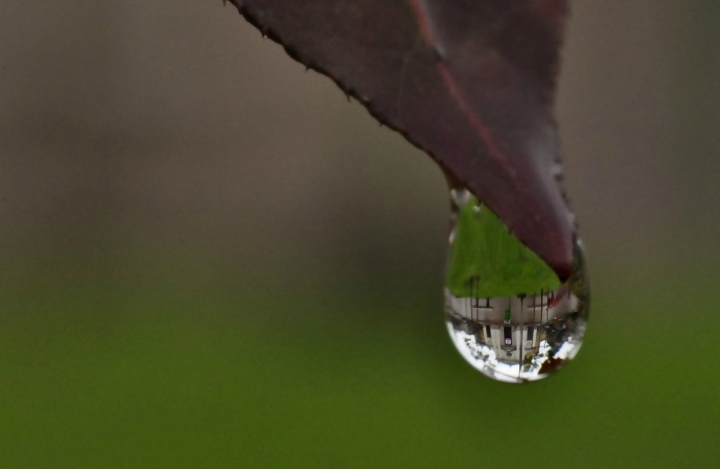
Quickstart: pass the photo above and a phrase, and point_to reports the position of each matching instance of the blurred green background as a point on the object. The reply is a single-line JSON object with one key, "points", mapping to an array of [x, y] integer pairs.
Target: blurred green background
{"points": [[209, 258]]}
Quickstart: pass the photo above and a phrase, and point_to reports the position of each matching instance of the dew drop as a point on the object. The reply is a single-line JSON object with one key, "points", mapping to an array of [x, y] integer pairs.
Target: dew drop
{"points": [[507, 312]]}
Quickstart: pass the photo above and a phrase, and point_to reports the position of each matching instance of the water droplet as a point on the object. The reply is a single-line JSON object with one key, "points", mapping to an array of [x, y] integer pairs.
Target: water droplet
{"points": [[506, 311]]}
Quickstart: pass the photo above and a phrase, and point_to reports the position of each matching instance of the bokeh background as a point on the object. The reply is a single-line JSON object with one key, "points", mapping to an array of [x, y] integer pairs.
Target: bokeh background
{"points": [[209, 258]]}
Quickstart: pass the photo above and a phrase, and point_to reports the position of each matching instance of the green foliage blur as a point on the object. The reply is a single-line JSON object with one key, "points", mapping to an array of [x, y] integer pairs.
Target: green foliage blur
{"points": [[210, 259]]}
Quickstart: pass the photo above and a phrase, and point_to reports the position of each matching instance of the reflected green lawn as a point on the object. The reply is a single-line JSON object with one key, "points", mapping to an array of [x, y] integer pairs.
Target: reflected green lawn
{"points": [[487, 260], [99, 374]]}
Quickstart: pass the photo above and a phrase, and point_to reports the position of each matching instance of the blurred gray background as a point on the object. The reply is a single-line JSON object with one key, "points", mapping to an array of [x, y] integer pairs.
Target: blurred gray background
{"points": [[211, 259]]}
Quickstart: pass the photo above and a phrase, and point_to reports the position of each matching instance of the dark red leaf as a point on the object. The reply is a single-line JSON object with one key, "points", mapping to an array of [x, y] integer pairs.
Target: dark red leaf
{"points": [[471, 82]]}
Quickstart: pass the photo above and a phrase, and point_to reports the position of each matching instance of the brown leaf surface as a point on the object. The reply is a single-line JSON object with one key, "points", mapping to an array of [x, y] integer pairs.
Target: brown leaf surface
{"points": [[471, 82]]}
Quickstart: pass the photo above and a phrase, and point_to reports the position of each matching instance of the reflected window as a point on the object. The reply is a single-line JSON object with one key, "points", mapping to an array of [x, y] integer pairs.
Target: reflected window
{"points": [[487, 332], [530, 333], [481, 302], [508, 335], [538, 304]]}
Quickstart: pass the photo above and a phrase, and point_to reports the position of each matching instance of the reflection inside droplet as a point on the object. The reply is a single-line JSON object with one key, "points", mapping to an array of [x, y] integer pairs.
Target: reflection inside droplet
{"points": [[506, 311]]}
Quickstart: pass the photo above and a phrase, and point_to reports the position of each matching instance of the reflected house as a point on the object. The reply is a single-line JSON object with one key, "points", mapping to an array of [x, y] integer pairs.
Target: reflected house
{"points": [[514, 327]]}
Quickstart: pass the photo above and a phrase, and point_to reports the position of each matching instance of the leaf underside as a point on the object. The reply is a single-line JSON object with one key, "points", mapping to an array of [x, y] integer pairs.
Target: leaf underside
{"points": [[470, 82]]}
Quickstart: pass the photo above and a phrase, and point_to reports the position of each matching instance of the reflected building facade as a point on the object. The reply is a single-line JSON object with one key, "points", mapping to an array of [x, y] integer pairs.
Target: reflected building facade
{"points": [[517, 338]]}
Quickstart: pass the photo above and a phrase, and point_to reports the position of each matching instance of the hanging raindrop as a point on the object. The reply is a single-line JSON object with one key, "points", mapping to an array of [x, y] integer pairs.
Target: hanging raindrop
{"points": [[506, 311]]}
